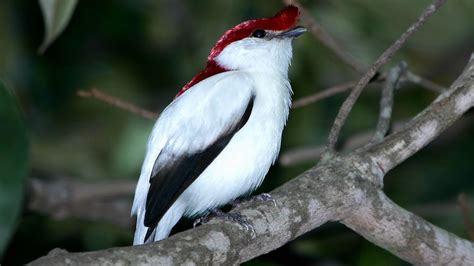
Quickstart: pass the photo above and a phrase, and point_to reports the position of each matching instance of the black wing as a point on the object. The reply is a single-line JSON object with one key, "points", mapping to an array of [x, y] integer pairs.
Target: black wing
{"points": [[171, 180]]}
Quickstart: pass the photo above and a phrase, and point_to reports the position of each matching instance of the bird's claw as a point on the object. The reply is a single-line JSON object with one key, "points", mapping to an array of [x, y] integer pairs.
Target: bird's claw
{"points": [[233, 217], [240, 219]]}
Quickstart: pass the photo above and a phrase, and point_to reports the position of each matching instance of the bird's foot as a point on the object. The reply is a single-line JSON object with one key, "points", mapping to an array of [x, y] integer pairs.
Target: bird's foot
{"points": [[233, 217], [265, 197]]}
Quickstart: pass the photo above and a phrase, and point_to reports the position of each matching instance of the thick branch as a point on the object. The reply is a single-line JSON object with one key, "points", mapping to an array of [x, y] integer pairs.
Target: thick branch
{"points": [[406, 235], [303, 204]]}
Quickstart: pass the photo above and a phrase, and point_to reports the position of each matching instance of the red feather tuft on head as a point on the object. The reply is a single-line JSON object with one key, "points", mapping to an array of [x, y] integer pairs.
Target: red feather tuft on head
{"points": [[283, 20]]}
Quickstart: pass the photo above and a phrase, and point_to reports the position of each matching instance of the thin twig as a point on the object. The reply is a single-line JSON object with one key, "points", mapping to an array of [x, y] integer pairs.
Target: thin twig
{"points": [[417, 133], [324, 37], [312, 153], [466, 214], [392, 82], [307, 153], [343, 87], [117, 102], [423, 82], [323, 94], [382, 60]]}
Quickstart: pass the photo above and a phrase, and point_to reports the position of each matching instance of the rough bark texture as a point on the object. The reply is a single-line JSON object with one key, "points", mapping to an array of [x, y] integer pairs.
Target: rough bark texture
{"points": [[406, 235], [340, 188]]}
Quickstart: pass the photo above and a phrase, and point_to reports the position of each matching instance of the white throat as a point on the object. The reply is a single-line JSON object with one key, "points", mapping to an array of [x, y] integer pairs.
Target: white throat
{"points": [[258, 55]]}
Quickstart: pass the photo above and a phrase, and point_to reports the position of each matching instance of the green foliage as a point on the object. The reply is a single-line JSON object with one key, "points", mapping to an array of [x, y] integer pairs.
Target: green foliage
{"points": [[56, 15], [14, 150]]}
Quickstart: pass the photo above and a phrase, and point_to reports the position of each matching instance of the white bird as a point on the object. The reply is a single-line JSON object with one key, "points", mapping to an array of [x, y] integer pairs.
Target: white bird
{"points": [[218, 138]]}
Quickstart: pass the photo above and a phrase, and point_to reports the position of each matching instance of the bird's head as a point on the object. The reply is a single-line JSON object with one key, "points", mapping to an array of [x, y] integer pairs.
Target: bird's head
{"points": [[260, 44]]}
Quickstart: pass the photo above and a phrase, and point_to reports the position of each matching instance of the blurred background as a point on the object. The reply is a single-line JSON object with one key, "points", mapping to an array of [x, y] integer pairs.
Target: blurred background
{"points": [[144, 51]]}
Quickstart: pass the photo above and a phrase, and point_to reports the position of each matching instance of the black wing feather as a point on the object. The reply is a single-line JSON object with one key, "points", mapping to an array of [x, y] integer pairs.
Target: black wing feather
{"points": [[171, 180]]}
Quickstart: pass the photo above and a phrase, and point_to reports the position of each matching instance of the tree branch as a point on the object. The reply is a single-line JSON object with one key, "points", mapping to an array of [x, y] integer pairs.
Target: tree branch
{"points": [[343, 87], [312, 153], [381, 221], [117, 102], [425, 83], [392, 83], [344, 188], [222, 242], [426, 126], [382, 60], [326, 39], [326, 93]]}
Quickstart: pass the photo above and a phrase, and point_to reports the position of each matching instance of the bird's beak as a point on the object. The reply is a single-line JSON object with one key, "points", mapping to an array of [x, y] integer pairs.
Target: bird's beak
{"points": [[292, 33]]}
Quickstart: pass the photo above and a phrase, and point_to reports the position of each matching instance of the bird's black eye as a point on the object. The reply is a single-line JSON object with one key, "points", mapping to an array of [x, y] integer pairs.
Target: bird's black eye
{"points": [[259, 33]]}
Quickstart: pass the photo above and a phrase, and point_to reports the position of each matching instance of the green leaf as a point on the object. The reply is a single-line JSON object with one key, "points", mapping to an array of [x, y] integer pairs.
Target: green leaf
{"points": [[14, 157], [56, 16]]}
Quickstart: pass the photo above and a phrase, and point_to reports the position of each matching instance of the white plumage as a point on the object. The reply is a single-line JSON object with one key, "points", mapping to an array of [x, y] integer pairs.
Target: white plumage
{"points": [[194, 120]]}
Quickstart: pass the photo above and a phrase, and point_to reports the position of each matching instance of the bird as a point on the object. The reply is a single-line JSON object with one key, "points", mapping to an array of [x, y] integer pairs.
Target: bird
{"points": [[217, 139]]}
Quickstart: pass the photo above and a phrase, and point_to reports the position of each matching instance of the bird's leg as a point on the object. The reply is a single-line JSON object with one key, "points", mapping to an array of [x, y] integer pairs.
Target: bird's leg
{"points": [[233, 217], [265, 197]]}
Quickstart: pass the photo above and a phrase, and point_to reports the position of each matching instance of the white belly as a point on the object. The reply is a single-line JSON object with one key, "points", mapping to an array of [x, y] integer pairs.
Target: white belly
{"points": [[239, 168]]}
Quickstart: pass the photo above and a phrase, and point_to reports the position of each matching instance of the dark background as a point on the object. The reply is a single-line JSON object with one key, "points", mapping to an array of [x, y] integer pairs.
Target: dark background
{"points": [[143, 51]]}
